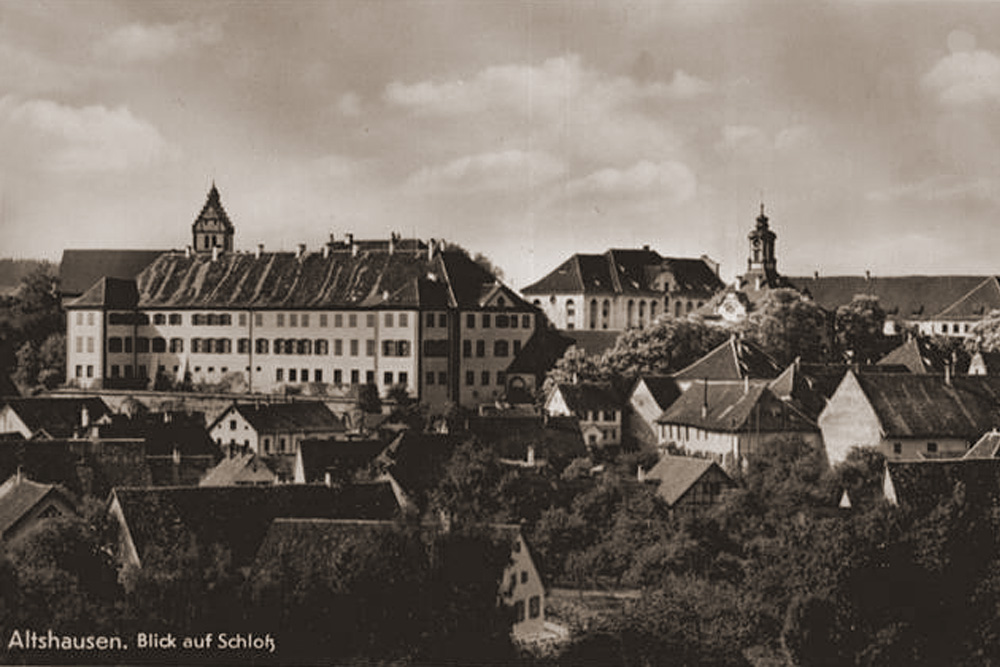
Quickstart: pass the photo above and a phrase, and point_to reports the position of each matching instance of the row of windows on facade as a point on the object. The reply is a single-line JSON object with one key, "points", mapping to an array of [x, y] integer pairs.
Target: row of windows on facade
{"points": [[897, 448], [486, 320], [630, 311], [609, 435], [320, 346]]}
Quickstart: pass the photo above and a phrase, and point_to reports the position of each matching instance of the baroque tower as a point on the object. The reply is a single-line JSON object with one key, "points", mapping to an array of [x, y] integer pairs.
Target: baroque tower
{"points": [[762, 267], [212, 228]]}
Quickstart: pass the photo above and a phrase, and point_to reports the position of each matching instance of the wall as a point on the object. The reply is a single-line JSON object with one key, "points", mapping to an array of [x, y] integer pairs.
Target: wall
{"points": [[84, 346], [521, 583], [488, 365], [848, 421]]}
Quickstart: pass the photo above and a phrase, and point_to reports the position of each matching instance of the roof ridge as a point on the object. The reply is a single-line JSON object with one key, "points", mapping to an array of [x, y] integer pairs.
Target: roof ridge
{"points": [[968, 294]]}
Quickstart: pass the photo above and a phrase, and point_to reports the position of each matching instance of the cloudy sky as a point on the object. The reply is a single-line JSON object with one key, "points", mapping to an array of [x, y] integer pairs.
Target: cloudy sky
{"points": [[523, 130]]}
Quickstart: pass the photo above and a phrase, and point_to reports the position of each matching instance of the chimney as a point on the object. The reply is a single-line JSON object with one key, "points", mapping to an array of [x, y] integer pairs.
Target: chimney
{"points": [[947, 373], [187, 251], [392, 242], [640, 474], [326, 251], [746, 385], [300, 251], [333, 239], [815, 275], [645, 247], [260, 250], [531, 455], [328, 478], [704, 399], [430, 249], [868, 275], [84, 417], [18, 474], [215, 253]]}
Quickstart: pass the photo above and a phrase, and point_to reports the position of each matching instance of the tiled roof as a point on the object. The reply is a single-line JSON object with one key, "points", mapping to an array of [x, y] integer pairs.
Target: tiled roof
{"points": [[339, 279], [586, 396], [82, 466], [18, 495], [921, 485], [298, 416], [912, 406], [986, 448], [733, 360], [734, 407], [917, 357], [593, 342], [80, 269], [677, 474], [663, 388], [59, 417], [902, 297], [793, 385], [540, 353], [341, 457], [510, 437], [238, 470], [238, 517], [975, 305], [108, 293], [417, 460], [626, 271]]}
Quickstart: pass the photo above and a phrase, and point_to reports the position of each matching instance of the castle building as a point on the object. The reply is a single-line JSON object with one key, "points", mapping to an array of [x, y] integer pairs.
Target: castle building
{"points": [[389, 313], [621, 289]]}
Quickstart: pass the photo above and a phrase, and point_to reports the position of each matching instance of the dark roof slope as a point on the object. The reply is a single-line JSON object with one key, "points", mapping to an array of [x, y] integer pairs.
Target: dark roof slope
{"points": [[735, 359], [240, 469], [732, 407], [921, 485], [108, 293], [298, 416], [80, 269], [81, 466], [18, 495], [343, 458], [917, 357], [238, 517], [663, 388], [975, 305], [677, 474], [545, 347], [593, 342], [916, 406], [987, 447], [417, 461], [793, 385], [905, 297], [59, 417], [586, 396], [7, 387], [510, 436]]}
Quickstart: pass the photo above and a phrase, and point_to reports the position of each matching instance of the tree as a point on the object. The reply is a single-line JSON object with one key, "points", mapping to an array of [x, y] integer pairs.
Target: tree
{"points": [[859, 328], [986, 334], [787, 326], [479, 258], [667, 347]]}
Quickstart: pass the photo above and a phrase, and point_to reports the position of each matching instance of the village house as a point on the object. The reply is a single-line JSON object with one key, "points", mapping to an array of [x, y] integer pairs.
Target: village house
{"points": [[921, 485], [389, 313], [735, 360], [907, 416], [688, 484], [43, 418], [240, 469], [623, 288], [651, 395], [273, 428], [334, 460], [597, 406], [24, 503], [530, 440]]}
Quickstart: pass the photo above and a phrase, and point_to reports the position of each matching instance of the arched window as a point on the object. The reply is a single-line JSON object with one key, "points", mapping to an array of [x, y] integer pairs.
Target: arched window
{"points": [[593, 313], [642, 313], [652, 312], [570, 314], [605, 313], [678, 307], [630, 313]]}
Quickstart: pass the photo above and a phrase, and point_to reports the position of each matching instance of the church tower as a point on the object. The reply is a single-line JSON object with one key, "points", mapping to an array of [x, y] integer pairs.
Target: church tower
{"points": [[212, 228], [762, 267]]}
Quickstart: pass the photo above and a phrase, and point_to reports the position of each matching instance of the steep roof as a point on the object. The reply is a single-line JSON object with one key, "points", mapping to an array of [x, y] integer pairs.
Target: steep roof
{"points": [[677, 474], [297, 416], [663, 388], [734, 407], [586, 396], [988, 361], [238, 517], [337, 278], [81, 466], [626, 271], [914, 406], [510, 436], [916, 356], [987, 447], [794, 385], [593, 342], [108, 293], [903, 297], [7, 387], [18, 496], [921, 485], [80, 269], [545, 347], [238, 470], [735, 359], [212, 212], [979, 302], [59, 417], [417, 460], [341, 457]]}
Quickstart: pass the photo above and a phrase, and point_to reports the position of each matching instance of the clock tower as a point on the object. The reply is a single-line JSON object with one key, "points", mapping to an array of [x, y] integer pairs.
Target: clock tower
{"points": [[212, 228], [762, 267]]}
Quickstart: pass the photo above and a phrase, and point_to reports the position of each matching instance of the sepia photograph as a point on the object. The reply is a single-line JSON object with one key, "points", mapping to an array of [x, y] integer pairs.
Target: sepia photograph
{"points": [[500, 332]]}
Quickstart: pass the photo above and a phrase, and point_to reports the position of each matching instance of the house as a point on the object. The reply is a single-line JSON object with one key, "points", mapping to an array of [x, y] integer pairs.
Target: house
{"points": [[236, 518], [734, 360], [309, 545], [651, 395], [531, 440], [907, 416], [48, 418], [623, 288], [921, 485], [597, 405], [274, 428], [83, 467], [539, 355], [325, 461], [917, 357], [240, 469], [416, 462], [731, 421], [386, 312], [985, 363], [24, 503], [796, 386], [688, 484]]}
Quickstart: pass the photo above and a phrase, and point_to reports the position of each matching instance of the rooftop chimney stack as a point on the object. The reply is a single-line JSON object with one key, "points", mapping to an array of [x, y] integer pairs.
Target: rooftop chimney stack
{"points": [[301, 251], [326, 251], [187, 251], [215, 253], [392, 242], [260, 250], [430, 249]]}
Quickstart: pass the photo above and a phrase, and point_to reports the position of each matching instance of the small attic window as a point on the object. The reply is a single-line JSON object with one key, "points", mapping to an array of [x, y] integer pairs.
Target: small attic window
{"points": [[501, 302]]}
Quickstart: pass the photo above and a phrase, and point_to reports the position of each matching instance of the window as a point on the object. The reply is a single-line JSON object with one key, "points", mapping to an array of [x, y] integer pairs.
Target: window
{"points": [[243, 345], [387, 378], [116, 371], [513, 321], [243, 319], [279, 375], [338, 376], [321, 346], [480, 348], [90, 371], [404, 320], [128, 371], [159, 344], [114, 344], [897, 448], [318, 375], [466, 348], [223, 346], [470, 378], [79, 371], [176, 345], [305, 319], [261, 345], [370, 320], [442, 320], [517, 347], [428, 377], [90, 319], [355, 376], [158, 318], [503, 321], [258, 319], [501, 348], [370, 377], [519, 611], [370, 347], [338, 347], [352, 320], [354, 347], [303, 346], [388, 319], [931, 447], [429, 320], [79, 319], [388, 348], [338, 320], [323, 321], [281, 319], [534, 606], [486, 320], [525, 321], [293, 319], [404, 378], [442, 377], [524, 577], [232, 424], [293, 375], [79, 344], [470, 321], [485, 378]]}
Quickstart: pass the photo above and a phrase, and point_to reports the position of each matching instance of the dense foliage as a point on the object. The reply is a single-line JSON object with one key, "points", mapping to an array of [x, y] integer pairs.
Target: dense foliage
{"points": [[33, 332]]}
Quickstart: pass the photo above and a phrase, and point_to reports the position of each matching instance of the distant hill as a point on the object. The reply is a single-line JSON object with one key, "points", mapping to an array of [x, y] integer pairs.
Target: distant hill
{"points": [[12, 270]]}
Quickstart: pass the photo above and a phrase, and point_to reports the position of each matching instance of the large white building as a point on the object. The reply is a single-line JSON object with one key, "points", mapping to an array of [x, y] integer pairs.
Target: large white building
{"points": [[395, 312]]}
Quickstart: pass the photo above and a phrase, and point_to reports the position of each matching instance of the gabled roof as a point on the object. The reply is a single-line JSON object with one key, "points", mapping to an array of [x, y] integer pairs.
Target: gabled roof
{"points": [[238, 517], [921, 485], [59, 417], [593, 342], [917, 406], [212, 211], [987, 447], [902, 297], [329, 279], [975, 305], [298, 416], [677, 474], [735, 359], [108, 293], [80, 269], [626, 271], [19, 495], [81, 466], [238, 470], [510, 437], [663, 389], [734, 407], [793, 385], [990, 362], [585, 396], [417, 460], [545, 347], [340, 457], [917, 357]]}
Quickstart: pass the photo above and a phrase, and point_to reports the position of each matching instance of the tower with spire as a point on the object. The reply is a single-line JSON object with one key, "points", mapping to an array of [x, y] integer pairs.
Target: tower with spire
{"points": [[212, 228], [762, 266]]}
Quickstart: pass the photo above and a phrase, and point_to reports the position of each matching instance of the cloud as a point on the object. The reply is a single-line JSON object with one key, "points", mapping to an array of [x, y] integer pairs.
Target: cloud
{"points": [[139, 42], [672, 180], [505, 170], [965, 77], [69, 139], [948, 188], [349, 104]]}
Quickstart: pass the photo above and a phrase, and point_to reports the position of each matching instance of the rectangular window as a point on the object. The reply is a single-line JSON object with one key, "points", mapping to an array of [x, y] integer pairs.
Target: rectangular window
{"points": [[323, 321], [79, 318], [501, 348], [79, 371], [352, 320], [281, 319], [388, 319], [355, 376], [176, 345], [897, 448], [258, 319], [279, 375], [503, 321], [931, 447], [534, 606], [338, 347], [428, 377], [159, 318], [519, 611], [370, 377], [470, 378], [480, 348], [159, 345], [79, 344], [243, 346], [402, 348], [114, 344], [90, 319], [470, 321], [90, 371], [404, 320], [293, 319], [428, 320], [293, 375], [90, 343], [305, 319], [466, 348], [370, 347], [305, 375], [128, 344], [338, 376], [403, 377], [128, 372], [513, 321], [115, 371], [526, 321], [318, 375], [501, 378], [387, 378], [243, 319], [517, 347], [261, 345], [322, 346], [388, 348], [338, 320], [354, 347], [486, 320], [370, 320], [485, 380], [442, 320], [442, 377]]}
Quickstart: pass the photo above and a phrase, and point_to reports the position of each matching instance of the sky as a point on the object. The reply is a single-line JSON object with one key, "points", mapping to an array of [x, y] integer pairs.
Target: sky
{"points": [[526, 131]]}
